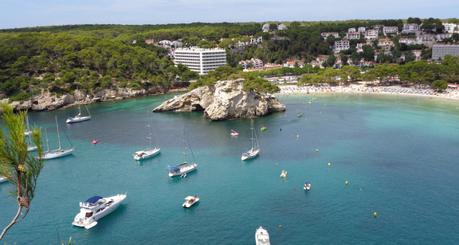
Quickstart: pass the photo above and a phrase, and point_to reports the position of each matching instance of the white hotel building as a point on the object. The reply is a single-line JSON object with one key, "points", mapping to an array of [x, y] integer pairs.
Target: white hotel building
{"points": [[200, 60]]}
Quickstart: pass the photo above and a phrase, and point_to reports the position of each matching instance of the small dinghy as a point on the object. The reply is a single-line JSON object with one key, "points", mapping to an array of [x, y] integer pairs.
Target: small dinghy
{"points": [[307, 186], [94, 142], [96, 208], [262, 237], [234, 133], [284, 174], [190, 201]]}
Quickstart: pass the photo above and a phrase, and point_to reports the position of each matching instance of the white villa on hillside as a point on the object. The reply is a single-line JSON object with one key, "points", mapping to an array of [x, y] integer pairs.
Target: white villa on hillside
{"points": [[341, 45]]}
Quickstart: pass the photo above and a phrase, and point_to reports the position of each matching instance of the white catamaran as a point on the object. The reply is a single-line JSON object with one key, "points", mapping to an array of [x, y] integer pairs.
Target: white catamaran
{"points": [[79, 118], [56, 153], [255, 150], [96, 208], [149, 152]]}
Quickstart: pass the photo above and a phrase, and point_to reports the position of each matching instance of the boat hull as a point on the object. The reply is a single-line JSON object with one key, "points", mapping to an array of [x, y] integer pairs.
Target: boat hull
{"points": [[88, 223], [148, 154], [250, 155], [192, 167], [56, 154], [187, 204], [77, 120], [3, 179]]}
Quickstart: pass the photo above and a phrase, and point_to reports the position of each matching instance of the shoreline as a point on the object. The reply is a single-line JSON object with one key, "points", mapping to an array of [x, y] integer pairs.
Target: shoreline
{"points": [[354, 89]]}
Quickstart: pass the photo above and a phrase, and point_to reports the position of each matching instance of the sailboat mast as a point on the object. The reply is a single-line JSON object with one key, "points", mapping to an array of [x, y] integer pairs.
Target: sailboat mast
{"points": [[27, 121], [47, 140], [252, 129], [58, 136]]}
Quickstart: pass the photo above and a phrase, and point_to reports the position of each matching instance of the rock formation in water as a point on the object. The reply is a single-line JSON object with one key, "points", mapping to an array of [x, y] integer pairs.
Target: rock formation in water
{"points": [[224, 100]]}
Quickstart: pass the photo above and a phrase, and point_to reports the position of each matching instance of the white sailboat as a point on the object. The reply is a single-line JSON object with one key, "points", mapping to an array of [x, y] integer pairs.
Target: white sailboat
{"points": [[28, 135], [262, 237], [149, 152], [255, 150], [96, 208], [56, 153], [79, 118], [183, 169]]}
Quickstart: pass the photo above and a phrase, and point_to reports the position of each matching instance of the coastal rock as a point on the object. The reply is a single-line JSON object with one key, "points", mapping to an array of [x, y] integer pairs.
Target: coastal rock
{"points": [[224, 100]]}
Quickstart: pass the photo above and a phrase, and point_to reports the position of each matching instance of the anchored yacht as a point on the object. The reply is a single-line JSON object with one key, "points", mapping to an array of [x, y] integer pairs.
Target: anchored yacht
{"points": [[96, 208], [182, 169], [255, 150], [79, 118], [262, 237]]}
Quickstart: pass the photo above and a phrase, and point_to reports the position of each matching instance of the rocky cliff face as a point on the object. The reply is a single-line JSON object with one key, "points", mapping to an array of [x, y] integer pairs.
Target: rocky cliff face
{"points": [[224, 100], [47, 101]]}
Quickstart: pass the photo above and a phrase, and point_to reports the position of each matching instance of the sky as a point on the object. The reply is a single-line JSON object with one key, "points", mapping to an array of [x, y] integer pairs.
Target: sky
{"points": [[29, 13]]}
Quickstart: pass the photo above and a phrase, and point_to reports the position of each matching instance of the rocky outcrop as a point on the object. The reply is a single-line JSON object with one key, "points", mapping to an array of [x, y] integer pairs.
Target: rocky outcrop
{"points": [[224, 100]]}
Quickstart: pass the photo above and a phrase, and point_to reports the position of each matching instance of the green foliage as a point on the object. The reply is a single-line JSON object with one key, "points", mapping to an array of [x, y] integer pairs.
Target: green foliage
{"points": [[252, 83], [16, 164], [440, 85]]}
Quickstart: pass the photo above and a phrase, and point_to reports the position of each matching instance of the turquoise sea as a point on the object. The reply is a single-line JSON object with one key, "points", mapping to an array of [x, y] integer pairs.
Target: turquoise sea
{"points": [[400, 156]]}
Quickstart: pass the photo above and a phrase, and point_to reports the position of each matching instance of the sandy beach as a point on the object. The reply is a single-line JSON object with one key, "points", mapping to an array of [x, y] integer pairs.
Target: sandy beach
{"points": [[452, 94]]}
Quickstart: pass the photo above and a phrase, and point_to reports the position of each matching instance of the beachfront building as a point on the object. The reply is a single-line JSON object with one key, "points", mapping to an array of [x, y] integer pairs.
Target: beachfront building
{"points": [[439, 51], [341, 45], [371, 34], [200, 60], [390, 30], [410, 28], [328, 34]]}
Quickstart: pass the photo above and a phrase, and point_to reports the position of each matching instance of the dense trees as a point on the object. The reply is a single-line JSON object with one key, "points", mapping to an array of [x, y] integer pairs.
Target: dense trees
{"points": [[61, 62]]}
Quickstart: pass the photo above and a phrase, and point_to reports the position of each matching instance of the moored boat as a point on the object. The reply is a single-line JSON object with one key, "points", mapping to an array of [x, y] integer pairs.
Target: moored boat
{"points": [[255, 149], [190, 201], [307, 186], [147, 153], [262, 236], [79, 118], [96, 208], [234, 133], [182, 169], [55, 153]]}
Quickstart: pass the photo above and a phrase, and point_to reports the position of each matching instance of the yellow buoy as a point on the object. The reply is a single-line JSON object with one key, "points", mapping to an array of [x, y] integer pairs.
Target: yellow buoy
{"points": [[375, 214]]}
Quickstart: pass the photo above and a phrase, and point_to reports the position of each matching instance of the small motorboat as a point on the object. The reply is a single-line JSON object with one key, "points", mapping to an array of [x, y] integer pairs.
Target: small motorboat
{"points": [[307, 186], [234, 133], [31, 148], [3, 179], [182, 169], [300, 114], [144, 154], [96, 208], [190, 201], [94, 142], [263, 129], [284, 174], [262, 237]]}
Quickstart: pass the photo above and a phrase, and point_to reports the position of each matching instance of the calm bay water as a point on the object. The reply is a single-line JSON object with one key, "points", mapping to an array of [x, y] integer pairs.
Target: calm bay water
{"points": [[400, 155]]}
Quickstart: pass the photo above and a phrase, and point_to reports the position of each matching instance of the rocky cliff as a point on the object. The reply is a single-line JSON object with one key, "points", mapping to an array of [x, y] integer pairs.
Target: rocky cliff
{"points": [[224, 100]]}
